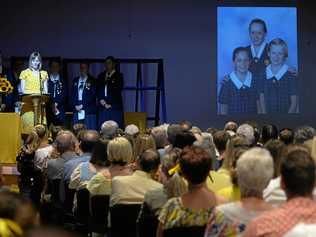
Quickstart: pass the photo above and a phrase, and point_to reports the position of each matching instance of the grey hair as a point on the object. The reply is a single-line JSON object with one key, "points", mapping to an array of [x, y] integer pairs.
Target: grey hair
{"points": [[65, 141], [109, 129], [247, 132], [208, 145], [160, 135], [254, 171], [35, 55], [303, 134]]}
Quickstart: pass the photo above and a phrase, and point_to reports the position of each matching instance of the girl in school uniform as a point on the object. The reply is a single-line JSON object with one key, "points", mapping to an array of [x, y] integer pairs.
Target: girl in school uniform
{"points": [[239, 94], [278, 94]]}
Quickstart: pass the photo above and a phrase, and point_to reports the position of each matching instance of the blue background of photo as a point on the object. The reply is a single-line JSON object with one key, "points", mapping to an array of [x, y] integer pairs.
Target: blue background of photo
{"points": [[232, 32]]}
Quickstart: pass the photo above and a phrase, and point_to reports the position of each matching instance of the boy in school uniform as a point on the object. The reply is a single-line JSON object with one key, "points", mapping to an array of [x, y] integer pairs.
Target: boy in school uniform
{"points": [[239, 94], [278, 93], [84, 98]]}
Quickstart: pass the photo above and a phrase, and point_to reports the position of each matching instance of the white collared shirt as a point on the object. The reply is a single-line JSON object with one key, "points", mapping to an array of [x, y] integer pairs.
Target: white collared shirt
{"points": [[261, 49], [80, 90], [278, 75], [238, 83]]}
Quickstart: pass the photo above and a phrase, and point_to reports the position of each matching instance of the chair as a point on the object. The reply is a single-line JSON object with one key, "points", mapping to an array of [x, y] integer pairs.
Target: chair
{"points": [[147, 222], [193, 231], [99, 210], [82, 211], [123, 219]]}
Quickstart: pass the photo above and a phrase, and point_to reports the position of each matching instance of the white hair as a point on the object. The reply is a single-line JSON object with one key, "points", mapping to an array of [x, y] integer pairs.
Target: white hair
{"points": [[131, 129], [160, 135], [247, 131], [302, 230], [254, 171], [109, 129]]}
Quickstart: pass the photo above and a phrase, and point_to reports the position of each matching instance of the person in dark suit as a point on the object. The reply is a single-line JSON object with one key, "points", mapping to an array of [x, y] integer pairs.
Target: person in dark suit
{"points": [[110, 86], [57, 89], [84, 98]]}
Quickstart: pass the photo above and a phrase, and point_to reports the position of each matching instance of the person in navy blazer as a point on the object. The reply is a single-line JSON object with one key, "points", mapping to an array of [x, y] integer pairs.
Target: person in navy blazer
{"points": [[110, 86], [84, 98], [57, 90]]}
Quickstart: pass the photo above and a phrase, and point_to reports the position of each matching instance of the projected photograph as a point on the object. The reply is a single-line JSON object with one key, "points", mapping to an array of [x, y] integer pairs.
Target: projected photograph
{"points": [[257, 66]]}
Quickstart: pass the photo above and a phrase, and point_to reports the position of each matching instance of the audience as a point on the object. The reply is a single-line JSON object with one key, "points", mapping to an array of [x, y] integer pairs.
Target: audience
{"points": [[298, 181], [182, 178], [131, 189], [196, 206], [254, 170]]}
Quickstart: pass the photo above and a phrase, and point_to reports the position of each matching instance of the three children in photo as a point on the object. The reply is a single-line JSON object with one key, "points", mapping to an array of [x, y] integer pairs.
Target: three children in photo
{"points": [[261, 82]]}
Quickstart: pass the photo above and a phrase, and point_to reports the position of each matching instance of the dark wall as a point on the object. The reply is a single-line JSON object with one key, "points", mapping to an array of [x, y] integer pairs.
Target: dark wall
{"points": [[183, 33]]}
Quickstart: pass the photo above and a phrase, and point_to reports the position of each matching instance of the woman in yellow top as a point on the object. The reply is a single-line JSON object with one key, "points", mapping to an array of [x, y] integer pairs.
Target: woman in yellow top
{"points": [[33, 81]]}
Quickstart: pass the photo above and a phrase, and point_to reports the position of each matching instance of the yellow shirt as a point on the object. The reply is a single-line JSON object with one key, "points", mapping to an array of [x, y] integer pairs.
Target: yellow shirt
{"points": [[32, 82], [232, 193], [220, 180]]}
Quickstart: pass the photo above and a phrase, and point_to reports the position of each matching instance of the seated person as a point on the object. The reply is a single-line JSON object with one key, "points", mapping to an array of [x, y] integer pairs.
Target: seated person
{"points": [[254, 170], [196, 206], [131, 189]]}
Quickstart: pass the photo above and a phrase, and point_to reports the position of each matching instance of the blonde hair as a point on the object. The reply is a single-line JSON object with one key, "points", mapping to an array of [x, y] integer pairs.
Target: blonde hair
{"points": [[41, 131], [32, 141], [120, 151], [279, 42], [313, 149], [142, 143]]}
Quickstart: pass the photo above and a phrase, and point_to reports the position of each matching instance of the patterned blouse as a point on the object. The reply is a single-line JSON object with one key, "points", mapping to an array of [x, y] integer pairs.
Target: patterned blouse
{"points": [[174, 214]]}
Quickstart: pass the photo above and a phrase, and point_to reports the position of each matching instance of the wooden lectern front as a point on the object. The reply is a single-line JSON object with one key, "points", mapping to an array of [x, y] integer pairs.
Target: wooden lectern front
{"points": [[33, 108]]}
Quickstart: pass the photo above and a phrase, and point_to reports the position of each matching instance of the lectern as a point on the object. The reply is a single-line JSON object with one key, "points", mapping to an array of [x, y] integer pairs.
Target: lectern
{"points": [[35, 103]]}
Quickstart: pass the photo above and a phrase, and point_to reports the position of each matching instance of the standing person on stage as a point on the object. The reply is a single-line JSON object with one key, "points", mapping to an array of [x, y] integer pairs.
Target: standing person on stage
{"points": [[57, 89], [33, 79], [110, 86], [84, 98]]}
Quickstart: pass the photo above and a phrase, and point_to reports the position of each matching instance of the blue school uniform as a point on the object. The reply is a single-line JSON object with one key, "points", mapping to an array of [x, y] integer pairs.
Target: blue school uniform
{"points": [[239, 97], [84, 93], [110, 86], [278, 89], [57, 89], [258, 61]]}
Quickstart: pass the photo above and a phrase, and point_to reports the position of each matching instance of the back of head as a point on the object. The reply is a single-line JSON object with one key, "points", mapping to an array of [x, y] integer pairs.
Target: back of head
{"points": [[99, 154], [88, 140], [65, 141], [298, 172], [183, 139], [32, 141], [143, 142], [131, 130], [275, 147], [195, 164], [55, 130], [169, 161], [247, 132], [269, 131], [286, 135], [41, 131], [186, 125], [78, 128], [120, 151], [231, 126], [109, 129], [149, 161], [220, 140], [160, 136], [303, 134], [172, 131], [254, 170]]}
